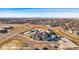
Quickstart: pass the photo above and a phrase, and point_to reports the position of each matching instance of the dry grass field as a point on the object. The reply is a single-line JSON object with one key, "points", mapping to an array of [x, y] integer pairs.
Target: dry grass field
{"points": [[17, 40]]}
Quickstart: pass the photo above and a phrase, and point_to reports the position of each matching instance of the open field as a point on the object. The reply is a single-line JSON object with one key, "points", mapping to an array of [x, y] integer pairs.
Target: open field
{"points": [[15, 39]]}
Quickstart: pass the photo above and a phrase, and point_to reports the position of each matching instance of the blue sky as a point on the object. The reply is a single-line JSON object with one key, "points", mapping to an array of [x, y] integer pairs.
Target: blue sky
{"points": [[39, 12]]}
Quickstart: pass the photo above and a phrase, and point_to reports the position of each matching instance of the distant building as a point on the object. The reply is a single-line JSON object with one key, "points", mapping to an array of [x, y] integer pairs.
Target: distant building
{"points": [[8, 27], [3, 30]]}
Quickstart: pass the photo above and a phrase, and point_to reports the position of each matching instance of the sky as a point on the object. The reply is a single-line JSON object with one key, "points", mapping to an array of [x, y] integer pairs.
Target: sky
{"points": [[40, 12]]}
